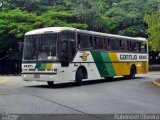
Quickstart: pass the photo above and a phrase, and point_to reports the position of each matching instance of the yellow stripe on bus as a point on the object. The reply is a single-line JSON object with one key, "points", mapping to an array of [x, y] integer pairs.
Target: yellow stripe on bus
{"points": [[49, 66], [120, 68]]}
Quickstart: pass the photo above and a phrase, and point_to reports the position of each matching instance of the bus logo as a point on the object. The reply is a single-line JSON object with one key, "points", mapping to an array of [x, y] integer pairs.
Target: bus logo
{"points": [[84, 56]]}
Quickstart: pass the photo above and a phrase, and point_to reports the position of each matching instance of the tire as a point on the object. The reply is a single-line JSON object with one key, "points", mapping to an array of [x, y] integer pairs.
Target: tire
{"points": [[79, 77], [50, 83], [132, 72]]}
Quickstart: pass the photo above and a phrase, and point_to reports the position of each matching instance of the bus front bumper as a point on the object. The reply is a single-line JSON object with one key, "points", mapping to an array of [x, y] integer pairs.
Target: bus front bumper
{"points": [[38, 77]]}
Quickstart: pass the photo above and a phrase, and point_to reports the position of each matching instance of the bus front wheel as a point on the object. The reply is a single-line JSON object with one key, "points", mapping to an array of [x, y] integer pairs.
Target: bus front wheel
{"points": [[50, 83], [79, 77]]}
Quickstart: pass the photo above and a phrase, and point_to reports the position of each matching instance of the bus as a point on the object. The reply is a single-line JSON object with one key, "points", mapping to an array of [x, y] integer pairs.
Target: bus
{"points": [[61, 54]]}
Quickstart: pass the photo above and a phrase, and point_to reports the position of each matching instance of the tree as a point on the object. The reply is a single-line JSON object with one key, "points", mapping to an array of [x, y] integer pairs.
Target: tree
{"points": [[15, 23], [129, 16], [91, 12], [153, 22]]}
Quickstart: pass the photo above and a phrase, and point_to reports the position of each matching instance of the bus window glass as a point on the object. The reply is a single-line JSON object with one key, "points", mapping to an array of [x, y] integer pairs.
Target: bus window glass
{"points": [[47, 48], [128, 45], [30, 47], [84, 42], [143, 47], [124, 45], [120, 44], [109, 44], [98, 42], [105, 43], [135, 47], [65, 37], [114, 44]]}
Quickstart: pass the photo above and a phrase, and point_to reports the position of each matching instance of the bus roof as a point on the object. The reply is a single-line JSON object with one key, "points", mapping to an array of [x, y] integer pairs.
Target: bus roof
{"points": [[60, 29]]}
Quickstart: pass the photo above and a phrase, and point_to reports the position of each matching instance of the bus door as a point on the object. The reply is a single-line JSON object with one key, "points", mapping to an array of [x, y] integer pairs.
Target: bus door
{"points": [[67, 48]]}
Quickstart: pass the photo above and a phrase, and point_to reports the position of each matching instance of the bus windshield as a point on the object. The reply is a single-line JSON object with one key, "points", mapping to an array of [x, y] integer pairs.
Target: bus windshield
{"points": [[40, 48]]}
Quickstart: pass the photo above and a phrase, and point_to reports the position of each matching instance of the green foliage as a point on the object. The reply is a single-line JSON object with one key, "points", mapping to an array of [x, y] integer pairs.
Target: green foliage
{"points": [[91, 12], [153, 22], [123, 17], [129, 15], [15, 23]]}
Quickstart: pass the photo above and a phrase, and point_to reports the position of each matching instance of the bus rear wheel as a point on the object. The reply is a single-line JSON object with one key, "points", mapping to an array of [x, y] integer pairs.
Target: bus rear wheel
{"points": [[50, 83], [132, 73], [79, 77]]}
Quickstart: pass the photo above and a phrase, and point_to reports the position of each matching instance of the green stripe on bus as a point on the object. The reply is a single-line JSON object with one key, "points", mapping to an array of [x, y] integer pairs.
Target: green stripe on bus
{"points": [[43, 66], [38, 65], [100, 64], [108, 65], [105, 69]]}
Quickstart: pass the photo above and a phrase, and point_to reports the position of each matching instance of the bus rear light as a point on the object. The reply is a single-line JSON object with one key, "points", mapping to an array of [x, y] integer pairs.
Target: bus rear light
{"points": [[24, 76]]}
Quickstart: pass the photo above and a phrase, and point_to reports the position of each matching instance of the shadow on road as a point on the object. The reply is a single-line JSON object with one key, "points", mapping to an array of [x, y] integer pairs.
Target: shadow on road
{"points": [[88, 82]]}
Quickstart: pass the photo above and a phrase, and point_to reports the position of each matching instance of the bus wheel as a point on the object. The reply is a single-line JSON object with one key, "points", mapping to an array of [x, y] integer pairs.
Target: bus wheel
{"points": [[79, 77], [132, 72], [50, 83]]}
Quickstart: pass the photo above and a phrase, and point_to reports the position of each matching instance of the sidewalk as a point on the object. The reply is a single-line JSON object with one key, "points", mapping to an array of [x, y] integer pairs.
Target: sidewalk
{"points": [[154, 67]]}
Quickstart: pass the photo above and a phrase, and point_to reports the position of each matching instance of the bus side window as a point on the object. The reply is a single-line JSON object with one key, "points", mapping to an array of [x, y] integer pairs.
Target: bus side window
{"points": [[139, 46], [120, 45], [143, 47], [95, 43], [105, 43], [109, 43], [84, 41], [78, 41], [114, 43], [68, 40], [100, 43], [135, 46], [91, 42], [128, 45]]}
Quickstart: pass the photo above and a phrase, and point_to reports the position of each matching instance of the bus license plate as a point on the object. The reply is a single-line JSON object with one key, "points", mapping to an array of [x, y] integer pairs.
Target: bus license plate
{"points": [[36, 76]]}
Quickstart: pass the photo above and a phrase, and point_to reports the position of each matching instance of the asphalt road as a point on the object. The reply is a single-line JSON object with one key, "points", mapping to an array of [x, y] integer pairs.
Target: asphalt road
{"points": [[94, 97]]}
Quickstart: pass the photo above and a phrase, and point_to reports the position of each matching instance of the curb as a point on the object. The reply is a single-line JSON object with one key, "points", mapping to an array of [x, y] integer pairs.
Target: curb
{"points": [[156, 82]]}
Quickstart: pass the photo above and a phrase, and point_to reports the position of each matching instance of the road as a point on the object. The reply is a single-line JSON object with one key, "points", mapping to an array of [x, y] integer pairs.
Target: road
{"points": [[94, 97]]}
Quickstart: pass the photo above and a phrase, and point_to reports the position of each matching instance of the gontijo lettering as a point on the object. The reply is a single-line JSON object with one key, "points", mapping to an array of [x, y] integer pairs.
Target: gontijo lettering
{"points": [[132, 57]]}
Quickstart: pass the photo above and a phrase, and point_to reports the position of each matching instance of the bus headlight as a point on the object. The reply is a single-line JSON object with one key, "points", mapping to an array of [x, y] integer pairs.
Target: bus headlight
{"points": [[51, 76], [24, 76]]}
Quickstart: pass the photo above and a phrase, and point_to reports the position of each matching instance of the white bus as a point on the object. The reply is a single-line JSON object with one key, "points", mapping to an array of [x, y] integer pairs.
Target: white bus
{"points": [[59, 54]]}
